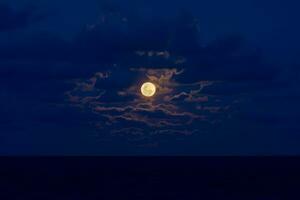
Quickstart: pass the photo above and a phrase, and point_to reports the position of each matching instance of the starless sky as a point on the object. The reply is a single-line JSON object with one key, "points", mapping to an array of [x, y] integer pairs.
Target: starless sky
{"points": [[227, 76]]}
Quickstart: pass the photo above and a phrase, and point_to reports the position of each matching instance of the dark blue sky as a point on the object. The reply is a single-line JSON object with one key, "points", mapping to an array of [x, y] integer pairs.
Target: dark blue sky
{"points": [[227, 74]]}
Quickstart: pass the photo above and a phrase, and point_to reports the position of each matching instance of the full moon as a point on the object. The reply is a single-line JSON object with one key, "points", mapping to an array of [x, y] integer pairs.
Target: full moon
{"points": [[148, 89]]}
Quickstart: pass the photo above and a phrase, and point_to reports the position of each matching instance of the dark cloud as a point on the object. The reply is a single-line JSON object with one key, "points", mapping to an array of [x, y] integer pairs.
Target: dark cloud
{"points": [[117, 40], [12, 19]]}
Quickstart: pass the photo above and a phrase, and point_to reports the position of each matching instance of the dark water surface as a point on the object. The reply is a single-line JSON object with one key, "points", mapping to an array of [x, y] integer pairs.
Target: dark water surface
{"points": [[257, 178]]}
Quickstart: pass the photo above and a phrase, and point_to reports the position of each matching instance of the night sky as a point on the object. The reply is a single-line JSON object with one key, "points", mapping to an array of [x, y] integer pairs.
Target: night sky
{"points": [[227, 76]]}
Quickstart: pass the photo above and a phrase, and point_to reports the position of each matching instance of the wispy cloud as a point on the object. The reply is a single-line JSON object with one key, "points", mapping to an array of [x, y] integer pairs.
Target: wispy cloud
{"points": [[165, 114]]}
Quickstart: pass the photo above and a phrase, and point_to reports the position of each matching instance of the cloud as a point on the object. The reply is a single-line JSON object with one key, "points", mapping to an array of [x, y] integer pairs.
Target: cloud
{"points": [[132, 111], [12, 19], [106, 63], [142, 43], [99, 72], [85, 91]]}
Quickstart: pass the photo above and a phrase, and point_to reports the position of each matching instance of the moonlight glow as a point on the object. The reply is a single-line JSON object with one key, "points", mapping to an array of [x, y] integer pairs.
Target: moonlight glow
{"points": [[148, 89]]}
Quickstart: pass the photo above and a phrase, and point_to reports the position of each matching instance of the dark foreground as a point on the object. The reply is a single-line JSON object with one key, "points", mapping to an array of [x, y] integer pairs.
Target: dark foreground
{"points": [[72, 178]]}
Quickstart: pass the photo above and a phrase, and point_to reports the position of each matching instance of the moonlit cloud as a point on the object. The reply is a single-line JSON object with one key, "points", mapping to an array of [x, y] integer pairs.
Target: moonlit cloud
{"points": [[165, 114], [80, 84]]}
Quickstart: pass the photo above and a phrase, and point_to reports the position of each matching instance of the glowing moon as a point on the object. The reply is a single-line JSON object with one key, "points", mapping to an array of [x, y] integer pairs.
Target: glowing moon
{"points": [[148, 89]]}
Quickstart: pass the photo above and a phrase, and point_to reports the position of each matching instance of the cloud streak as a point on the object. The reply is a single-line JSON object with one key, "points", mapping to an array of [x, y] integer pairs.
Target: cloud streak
{"points": [[163, 114]]}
